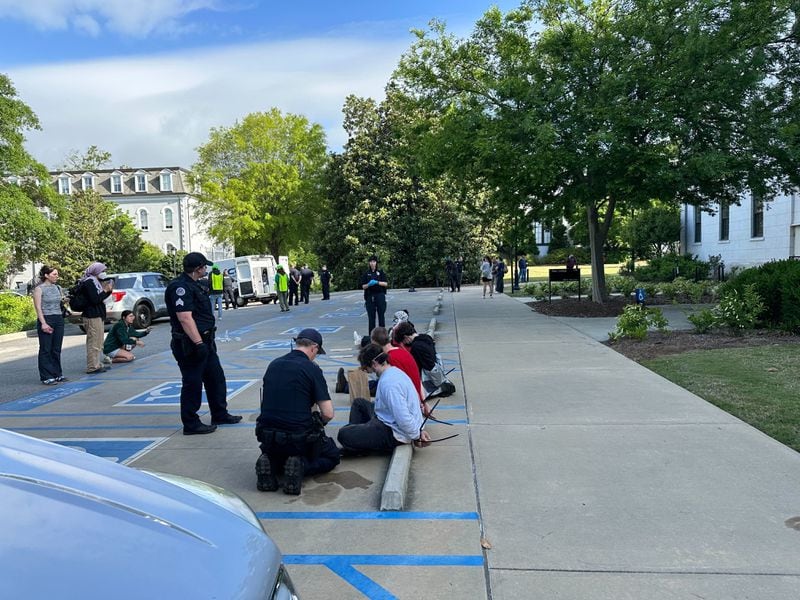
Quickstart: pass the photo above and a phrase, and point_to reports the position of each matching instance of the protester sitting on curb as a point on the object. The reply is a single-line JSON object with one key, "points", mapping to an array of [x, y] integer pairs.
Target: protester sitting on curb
{"points": [[395, 417], [122, 338]]}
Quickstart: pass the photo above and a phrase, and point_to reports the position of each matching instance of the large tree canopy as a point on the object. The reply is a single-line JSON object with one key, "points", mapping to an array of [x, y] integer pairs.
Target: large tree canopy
{"points": [[601, 105], [260, 182]]}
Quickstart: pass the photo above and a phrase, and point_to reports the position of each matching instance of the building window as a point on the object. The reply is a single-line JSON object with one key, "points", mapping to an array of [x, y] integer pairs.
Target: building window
{"points": [[168, 218], [724, 222], [757, 229], [698, 231], [64, 185], [141, 181], [541, 234], [166, 181], [144, 222], [87, 181], [116, 183]]}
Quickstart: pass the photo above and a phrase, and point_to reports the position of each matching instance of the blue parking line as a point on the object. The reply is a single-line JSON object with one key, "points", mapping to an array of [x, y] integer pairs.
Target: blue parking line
{"points": [[95, 427], [366, 516]]}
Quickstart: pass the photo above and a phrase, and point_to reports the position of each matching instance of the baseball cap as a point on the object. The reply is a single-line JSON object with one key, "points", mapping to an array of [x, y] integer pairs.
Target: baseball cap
{"points": [[373, 257], [195, 259], [311, 335]]}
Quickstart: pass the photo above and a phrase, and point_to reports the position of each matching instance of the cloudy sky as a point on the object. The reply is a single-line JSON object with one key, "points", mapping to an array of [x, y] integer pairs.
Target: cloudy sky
{"points": [[147, 79]]}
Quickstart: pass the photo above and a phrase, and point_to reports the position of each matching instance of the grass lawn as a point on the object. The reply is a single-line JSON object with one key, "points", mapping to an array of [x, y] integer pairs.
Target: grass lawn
{"points": [[758, 385]]}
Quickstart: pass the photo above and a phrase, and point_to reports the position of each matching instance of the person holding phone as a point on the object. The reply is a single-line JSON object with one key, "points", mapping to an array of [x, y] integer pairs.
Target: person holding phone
{"points": [[123, 338]]}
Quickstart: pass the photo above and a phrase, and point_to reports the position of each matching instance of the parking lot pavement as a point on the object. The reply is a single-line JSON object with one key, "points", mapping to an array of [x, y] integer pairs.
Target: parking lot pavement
{"points": [[337, 542]]}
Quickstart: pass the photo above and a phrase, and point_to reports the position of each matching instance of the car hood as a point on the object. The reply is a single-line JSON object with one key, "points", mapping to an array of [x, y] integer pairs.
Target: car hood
{"points": [[78, 526]]}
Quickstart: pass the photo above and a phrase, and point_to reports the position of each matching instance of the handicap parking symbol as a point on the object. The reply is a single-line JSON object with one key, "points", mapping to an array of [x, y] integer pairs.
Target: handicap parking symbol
{"points": [[169, 393], [325, 329], [269, 345], [121, 450]]}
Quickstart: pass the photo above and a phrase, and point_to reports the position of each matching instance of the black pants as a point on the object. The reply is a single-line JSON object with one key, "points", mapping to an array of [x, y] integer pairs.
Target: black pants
{"points": [[365, 431], [452, 279], [50, 347], [229, 298], [326, 291], [376, 303], [318, 457], [196, 374], [293, 294], [458, 282], [305, 290]]}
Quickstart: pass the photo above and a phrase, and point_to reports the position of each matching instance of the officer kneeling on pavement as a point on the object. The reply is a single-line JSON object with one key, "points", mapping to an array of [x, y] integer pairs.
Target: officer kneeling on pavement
{"points": [[291, 433], [194, 348]]}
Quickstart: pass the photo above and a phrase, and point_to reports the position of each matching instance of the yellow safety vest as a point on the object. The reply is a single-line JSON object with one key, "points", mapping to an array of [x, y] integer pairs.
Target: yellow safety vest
{"points": [[282, 282], [216, 281]]}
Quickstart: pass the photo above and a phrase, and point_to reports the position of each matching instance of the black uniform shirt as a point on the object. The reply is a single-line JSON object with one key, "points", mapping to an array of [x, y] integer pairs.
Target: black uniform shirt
{"points": [[292, 385], [373, 289], [183, 294]]}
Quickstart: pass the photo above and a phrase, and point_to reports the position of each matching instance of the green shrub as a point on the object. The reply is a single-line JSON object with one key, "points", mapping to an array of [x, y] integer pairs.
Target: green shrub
{"points": [[536, 290], [636, 320], [16, 313], [704, 320], [778, 285], [740, 308], [559, 256], [670, 266], [626, 285]]}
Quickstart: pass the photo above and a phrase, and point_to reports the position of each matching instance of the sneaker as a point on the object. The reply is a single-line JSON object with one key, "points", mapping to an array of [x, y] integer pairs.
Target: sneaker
{"points": [[51, 381], [61, 378], [267, 482], [341, 381], [293, 475], [199, 429], [96, 371], [227, 420], [107, 360]]}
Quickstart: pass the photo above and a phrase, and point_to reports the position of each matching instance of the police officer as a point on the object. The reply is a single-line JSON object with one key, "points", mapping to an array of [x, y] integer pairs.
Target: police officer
{"points": [[291, 434], [374, 284], [306, 277], [194, 348], [325, 280]]}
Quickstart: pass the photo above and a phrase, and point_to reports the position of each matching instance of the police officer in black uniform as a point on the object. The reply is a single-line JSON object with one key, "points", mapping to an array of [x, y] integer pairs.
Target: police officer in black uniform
{"points": [[194, 348], [306, 277], [291, 434], [325, 280], [374, 284]]}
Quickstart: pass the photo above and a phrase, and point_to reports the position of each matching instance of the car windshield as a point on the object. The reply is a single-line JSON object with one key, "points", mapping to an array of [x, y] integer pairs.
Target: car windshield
{"points": [[124, 283]]}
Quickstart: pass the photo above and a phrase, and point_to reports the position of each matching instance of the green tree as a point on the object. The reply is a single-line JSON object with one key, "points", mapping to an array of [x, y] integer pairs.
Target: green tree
{"points": [[95, 230], [654, 230], [598, 106], [260, 182], [93, 159]]}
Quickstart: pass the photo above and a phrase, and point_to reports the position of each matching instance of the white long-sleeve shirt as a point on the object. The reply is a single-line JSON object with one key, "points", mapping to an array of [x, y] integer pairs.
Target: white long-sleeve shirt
{"points": [[397, 405]]}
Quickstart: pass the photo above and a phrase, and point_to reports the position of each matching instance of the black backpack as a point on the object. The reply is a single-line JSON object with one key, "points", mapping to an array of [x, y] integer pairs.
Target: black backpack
{"points": [[78, 302]]}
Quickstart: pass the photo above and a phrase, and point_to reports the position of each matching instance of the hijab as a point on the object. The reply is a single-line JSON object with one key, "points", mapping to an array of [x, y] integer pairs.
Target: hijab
{"points": [[94, 269]]}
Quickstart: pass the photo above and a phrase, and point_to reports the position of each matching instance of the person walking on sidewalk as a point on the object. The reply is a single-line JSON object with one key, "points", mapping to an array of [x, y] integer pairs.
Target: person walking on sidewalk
{"points": [[394, 419], [486, 276], [93, 316], [216, 287], [282, 287], [290, 432], [459, 272], [47, 299], [194, 348], [374, 284]]}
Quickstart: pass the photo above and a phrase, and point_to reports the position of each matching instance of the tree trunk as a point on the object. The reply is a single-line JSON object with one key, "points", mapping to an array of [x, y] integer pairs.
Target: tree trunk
{"points": [[597, 239]]}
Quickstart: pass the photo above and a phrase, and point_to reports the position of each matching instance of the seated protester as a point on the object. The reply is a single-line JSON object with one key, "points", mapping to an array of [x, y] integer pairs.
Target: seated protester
{"points": [[395, 417], [423, 349], [122, 338], [291, 433]]}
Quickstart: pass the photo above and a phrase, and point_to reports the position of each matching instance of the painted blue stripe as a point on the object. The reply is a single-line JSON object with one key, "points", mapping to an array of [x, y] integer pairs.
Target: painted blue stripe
{"points": [[388, 560], [380, 516], [94, 427], [370, 588], [169, 411]]}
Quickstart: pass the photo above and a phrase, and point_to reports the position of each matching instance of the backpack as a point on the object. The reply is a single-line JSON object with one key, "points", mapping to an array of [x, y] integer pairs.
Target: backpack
{"points": [[78, 302], [435, 381]]}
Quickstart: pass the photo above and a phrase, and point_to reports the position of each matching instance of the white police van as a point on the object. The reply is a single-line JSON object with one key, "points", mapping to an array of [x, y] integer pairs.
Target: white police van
{"points": [[254, 277]]}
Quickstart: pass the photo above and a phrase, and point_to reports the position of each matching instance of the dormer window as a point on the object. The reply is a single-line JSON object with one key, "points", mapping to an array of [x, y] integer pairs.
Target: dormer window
{"points": [[140, 178], [64, 185], [144, 221], [168, 219], [87, 181], [166, 181], [116, 182]]}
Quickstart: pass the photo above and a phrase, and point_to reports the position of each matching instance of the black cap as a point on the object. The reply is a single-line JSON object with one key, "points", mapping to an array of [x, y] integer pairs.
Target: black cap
{"points": [[373, 257], [311, 335], [195, 259]]}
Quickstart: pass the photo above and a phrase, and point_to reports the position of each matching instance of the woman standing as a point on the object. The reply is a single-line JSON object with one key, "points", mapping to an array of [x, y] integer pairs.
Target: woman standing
{"points": [[94, 315], [47, 297], [123, 338], [486, 276]]}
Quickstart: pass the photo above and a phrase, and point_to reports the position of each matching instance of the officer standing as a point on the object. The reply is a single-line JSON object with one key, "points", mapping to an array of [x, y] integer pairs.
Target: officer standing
{"points": [[294, 285], [194, 348], [291, 434], [325, 280], [374, 284], [306, 277]]}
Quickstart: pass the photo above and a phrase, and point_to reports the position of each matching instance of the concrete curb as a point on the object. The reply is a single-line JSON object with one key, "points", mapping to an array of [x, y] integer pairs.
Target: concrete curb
{"points": [[431, 327], [19, 335], [393, 496]]}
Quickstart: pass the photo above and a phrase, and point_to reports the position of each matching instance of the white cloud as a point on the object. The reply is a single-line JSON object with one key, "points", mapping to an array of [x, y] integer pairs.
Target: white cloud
{"points": [[156, 110], [137, 19]]}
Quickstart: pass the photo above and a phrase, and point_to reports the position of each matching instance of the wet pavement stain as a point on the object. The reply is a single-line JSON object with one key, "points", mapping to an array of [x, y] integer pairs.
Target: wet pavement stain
{"points": [[321, 494], [349, 480], [793, 523]]}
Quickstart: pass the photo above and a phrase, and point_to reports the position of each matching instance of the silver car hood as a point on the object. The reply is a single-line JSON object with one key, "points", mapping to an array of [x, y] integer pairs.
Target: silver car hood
{"points": [[73, 525]]}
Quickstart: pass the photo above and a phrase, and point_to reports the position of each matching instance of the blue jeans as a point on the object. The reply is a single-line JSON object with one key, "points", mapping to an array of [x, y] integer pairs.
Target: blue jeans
{"points": [[216, 299]]}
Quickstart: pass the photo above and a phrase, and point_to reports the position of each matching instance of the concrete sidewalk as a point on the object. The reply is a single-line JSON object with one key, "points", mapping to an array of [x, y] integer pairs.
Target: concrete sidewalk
{"points": [[598, 479]]}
